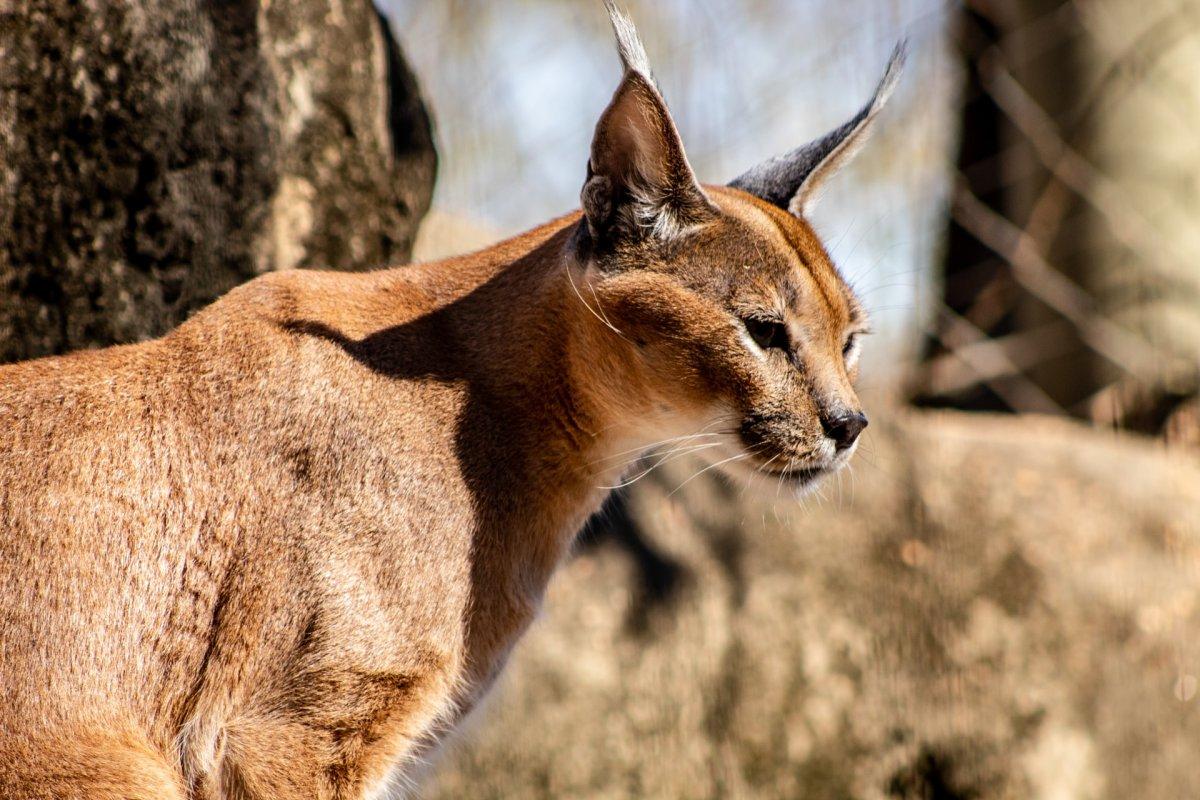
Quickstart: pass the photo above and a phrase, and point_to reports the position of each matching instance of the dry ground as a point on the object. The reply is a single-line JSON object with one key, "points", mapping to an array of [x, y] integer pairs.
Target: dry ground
{"points": [[992, 607]]}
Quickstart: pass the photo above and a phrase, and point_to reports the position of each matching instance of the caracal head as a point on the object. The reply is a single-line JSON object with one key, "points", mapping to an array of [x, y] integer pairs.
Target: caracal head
{"points": [[740, 326]]}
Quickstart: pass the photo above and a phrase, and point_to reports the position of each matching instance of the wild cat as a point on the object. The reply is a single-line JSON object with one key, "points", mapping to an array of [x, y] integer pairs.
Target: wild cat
{"points": [[281, 551]]}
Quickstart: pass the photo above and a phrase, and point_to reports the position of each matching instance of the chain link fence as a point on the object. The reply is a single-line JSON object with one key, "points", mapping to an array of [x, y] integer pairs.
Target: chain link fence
{"points": [[1072, 267]]}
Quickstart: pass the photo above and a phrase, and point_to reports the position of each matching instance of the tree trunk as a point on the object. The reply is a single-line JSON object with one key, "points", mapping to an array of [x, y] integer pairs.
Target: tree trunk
{"points": [[1079, 144], [1141, 113], [159, 152]]}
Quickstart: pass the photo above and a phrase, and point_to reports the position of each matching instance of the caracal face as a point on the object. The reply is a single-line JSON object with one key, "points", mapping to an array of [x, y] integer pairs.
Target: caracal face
{"points": [[747, 330], [744, 330]]}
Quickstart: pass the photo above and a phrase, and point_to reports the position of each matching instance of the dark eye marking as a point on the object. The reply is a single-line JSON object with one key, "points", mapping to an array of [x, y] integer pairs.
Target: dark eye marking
{"points": [[851, 341], [767, 333]]}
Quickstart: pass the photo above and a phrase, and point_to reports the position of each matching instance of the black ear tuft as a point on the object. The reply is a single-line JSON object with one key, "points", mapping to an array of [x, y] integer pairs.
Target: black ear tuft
{"points": [[794, 180]]}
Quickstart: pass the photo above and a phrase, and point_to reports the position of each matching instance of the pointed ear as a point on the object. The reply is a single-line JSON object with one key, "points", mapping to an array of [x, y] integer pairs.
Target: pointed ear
{"points": [[794, 180], [639, 181]]}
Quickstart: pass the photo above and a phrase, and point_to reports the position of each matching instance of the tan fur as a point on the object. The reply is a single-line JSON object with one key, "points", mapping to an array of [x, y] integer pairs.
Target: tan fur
{"points": [[281, 551]]}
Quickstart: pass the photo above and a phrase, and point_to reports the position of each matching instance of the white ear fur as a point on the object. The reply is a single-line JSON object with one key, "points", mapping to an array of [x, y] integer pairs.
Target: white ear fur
{"points": [[795, 180], [629, 44]]}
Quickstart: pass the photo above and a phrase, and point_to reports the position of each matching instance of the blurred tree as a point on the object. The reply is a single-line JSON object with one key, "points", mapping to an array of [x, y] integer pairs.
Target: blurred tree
{"points": [[159, 152], [1137, 121], [1078, 161]]}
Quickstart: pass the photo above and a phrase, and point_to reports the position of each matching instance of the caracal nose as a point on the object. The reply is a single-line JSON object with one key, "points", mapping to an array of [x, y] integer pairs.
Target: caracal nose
{"points": [[845, 428]]}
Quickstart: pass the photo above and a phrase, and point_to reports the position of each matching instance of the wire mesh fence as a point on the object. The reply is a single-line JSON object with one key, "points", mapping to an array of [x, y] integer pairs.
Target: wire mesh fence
{"points": [[1071, 283]]}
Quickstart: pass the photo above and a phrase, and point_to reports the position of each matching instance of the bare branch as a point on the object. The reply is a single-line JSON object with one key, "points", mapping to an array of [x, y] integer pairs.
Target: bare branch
{"points": [[993, 365], [975, 361], [1031, 270], [1127, 224]]}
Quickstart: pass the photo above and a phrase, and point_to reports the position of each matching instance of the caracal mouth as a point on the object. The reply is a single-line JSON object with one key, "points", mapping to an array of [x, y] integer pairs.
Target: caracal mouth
{"points": [[801, 477]]}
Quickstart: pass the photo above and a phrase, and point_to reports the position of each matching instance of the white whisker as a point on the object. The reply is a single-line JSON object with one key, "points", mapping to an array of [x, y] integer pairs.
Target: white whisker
{"points": [[670, 455], [636, 452], [589, 308], [762, 467], [646, 448], [736, 457]]}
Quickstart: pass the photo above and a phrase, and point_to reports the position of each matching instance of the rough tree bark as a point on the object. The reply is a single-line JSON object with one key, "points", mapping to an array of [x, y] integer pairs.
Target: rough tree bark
{"points": [[156, 153]]}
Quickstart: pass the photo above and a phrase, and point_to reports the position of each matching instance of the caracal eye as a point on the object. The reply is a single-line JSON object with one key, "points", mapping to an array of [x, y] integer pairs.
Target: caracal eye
{"points": [[850, 346], [767, 334]]}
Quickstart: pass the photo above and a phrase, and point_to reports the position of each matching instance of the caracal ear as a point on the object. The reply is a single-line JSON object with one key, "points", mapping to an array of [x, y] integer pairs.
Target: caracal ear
{"points": [[794, 181], [639, 182]]}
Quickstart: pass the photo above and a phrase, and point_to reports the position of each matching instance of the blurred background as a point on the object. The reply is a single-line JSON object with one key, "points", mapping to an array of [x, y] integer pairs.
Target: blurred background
{"points": [[1000, 599]]}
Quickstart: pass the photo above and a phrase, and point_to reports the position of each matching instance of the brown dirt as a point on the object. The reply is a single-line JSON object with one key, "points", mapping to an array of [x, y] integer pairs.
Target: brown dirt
{"points": [[991, 607]]}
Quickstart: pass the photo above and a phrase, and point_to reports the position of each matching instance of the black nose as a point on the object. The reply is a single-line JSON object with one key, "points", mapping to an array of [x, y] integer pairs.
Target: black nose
{"points": [[844, 429]]}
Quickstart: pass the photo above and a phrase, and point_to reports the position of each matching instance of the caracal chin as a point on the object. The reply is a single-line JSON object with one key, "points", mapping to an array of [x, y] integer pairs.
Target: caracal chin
{"points": [[282, 551]]}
